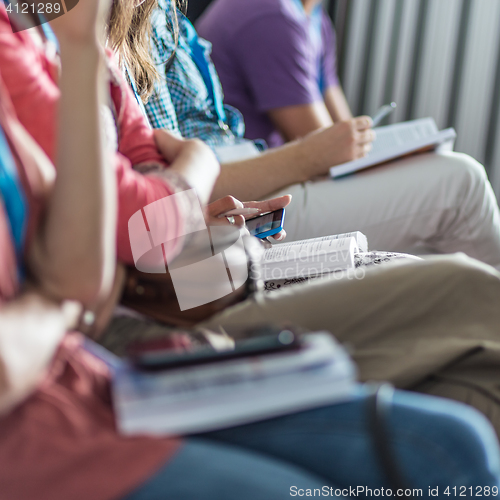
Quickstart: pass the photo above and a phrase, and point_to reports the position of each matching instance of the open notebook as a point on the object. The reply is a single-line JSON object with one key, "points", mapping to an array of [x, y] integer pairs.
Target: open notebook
{"points": [[400, 139]]}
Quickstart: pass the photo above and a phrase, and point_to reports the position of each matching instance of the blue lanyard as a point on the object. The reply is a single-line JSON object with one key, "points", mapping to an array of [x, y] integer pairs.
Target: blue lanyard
{"points": [[315, 23], [11, 193], [47, 31], [198, 54], [136, 93]]}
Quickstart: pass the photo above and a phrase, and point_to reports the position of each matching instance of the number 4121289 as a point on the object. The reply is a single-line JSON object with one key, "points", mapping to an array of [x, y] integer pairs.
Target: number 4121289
{"points": [[34, 8], [472, 491]]}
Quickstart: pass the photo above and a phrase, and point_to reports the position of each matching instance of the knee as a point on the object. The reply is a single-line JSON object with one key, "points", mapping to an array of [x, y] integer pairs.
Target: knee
{"points": [[468, 170], [453, 434], [459, 271]]}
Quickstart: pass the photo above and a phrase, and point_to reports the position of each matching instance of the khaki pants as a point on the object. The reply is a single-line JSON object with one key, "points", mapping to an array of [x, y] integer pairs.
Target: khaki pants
{"points": [[431, 326]]}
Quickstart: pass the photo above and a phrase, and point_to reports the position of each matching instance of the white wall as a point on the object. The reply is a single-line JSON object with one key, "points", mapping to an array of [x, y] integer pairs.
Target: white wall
{"points": [[426, 69]]}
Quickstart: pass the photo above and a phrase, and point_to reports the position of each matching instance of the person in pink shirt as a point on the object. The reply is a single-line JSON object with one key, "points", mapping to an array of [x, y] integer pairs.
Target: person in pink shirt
{"points": [[57, 434], [29, 67], [58, 439]]}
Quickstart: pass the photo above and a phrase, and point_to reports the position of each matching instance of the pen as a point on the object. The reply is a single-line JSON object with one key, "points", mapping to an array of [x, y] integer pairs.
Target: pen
{"points": [[383, 112], [241, 211]]}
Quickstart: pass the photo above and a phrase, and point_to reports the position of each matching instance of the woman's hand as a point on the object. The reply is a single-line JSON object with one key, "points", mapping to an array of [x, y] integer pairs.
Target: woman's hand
{"points": [[217, 209], [31, 328]]}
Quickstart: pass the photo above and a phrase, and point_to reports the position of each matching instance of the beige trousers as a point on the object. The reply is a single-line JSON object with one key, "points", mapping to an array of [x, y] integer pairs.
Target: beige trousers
{"points": [[431, 326]]}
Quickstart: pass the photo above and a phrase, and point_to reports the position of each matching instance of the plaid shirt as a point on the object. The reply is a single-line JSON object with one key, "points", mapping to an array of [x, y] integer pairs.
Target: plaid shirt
{"points": [[183, 104]]}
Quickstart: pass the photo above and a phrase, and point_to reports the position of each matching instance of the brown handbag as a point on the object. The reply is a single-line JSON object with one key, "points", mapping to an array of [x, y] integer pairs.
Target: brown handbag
{"points": [[208, 276]]}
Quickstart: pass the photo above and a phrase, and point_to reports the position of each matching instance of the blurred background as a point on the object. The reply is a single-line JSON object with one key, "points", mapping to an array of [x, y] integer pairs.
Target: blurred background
{"points": [[438, 58]]}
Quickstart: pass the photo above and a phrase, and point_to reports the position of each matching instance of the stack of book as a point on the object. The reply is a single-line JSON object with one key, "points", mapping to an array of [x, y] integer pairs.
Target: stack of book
{"points": [[233, 392]]}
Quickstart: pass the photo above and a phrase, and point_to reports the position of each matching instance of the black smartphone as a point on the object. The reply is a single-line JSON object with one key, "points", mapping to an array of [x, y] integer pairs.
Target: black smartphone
{"points": [[267, 224], [159, 355]]}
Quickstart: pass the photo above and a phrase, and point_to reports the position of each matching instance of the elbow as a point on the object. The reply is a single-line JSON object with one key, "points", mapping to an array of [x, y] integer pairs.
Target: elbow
{"points": [[87, 283], [83, 280], [81, 288], [83, 276]]}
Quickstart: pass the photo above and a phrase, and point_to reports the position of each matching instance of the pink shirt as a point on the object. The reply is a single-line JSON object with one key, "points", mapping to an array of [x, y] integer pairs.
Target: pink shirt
{"points": [[30, 76], [62, 443]]}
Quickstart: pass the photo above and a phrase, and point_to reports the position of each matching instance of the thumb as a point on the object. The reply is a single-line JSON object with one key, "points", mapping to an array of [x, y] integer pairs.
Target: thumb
{"points": [[363, 123]]}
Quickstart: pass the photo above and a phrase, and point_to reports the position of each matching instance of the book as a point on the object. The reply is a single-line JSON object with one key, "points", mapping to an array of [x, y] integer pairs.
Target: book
{"points": [[234, 392], [397, 140], [312, 257]]}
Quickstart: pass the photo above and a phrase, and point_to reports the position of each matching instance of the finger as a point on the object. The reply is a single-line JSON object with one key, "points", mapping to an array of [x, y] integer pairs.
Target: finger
{"points": [[223, 205], [280, 236], [365, 137], [363, 150], [265, 243], [270, 205], [235, 220], [363, 123], [239, 220]]}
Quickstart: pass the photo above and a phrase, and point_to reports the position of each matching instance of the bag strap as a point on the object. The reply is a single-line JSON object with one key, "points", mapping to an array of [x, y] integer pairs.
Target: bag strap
{"points": [[379, 409]]}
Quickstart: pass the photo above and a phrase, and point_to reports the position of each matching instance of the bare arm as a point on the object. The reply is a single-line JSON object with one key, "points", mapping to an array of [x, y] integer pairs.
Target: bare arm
{"points": [[81, 213], [73, 255], [31, 328], [295, 162], [191, 159], [295, 122], [336, 104]]}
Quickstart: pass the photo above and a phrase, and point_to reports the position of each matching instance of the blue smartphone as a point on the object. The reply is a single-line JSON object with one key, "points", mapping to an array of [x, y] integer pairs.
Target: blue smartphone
{"points": [[267, 224]]}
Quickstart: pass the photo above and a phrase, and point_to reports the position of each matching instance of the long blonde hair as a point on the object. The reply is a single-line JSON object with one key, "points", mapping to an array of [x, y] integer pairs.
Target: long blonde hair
{"points": [[129, 34]]}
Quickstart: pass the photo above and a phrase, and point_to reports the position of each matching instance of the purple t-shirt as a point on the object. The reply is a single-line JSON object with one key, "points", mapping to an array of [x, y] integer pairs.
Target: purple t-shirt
{"points": [[269, 55]]}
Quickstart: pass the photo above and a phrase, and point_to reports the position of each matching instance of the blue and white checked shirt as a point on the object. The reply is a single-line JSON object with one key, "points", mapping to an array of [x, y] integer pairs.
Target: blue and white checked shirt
{"points": [[181, 102]]}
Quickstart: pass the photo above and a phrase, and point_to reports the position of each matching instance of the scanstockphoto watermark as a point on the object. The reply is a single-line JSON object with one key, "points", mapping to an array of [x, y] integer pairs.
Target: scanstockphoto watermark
{"points": [[212, 266], [356, 491], [365, 491], [295, 273], [28, 14]]}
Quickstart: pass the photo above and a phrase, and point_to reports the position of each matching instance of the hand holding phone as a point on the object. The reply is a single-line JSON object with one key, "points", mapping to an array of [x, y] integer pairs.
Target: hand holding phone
{"points": [[237, 213], [267, 224]]}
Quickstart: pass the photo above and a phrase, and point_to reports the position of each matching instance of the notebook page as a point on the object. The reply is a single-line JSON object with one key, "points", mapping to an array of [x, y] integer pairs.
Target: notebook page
{"points": [[400, 134], [307, 250], [360, 238], [395, 141]]}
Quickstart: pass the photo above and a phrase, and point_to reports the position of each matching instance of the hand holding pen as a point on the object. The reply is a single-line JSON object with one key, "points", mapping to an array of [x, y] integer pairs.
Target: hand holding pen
{"points": [[382, 113]]}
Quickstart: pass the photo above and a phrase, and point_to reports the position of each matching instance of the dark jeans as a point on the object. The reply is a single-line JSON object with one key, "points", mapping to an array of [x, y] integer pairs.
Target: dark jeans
{"points": [[438, 444]]}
